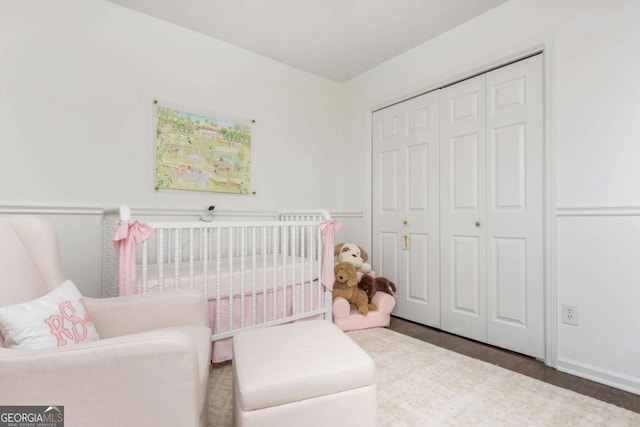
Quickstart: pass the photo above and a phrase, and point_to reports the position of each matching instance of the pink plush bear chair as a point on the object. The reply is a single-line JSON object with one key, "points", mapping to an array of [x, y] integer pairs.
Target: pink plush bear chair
{"points": [[347, 317]]}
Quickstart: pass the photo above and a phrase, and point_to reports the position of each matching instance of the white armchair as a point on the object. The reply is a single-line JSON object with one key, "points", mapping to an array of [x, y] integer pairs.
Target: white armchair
{"points": [[150, 366]]}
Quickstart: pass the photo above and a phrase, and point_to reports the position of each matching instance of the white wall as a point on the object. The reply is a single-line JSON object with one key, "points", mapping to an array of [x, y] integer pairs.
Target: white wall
{"points": [[593, 52], [79, 78], [77, 82]]}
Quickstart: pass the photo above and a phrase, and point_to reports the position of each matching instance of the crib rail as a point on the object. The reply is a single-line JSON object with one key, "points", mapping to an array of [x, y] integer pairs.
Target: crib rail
{"points": [[253, 273], [310, 215]]}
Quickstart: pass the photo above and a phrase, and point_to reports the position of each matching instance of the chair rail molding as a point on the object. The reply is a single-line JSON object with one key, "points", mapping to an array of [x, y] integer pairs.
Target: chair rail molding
{"points": [[99, 210], [576, 210], [28, 209]]}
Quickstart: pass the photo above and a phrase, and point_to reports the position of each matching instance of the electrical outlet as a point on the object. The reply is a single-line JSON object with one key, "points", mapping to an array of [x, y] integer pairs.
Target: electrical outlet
{"points": [[570, 314]]}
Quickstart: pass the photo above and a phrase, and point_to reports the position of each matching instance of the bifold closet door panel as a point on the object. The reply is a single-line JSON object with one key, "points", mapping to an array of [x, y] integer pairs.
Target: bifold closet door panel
{"points": [[514, 223], [457, 206], [405, 205], [463, 209]]}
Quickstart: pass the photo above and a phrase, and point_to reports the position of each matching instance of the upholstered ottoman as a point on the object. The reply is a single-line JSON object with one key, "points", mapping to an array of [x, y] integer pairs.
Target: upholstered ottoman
{"points": [[307, 373]]}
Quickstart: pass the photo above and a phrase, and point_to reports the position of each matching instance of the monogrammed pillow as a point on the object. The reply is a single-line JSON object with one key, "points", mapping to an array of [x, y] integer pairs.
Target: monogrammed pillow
{"points": [[57, 319]]}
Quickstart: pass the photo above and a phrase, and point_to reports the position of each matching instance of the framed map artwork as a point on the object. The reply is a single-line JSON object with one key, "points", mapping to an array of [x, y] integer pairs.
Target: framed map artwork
{"points": [[198, 152]]}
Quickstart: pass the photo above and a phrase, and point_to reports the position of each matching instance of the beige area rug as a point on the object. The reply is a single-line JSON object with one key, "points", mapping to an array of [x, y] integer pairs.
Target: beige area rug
{"points": [[420, 384]]}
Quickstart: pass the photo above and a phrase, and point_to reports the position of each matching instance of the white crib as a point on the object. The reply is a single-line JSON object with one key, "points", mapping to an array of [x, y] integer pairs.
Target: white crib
{"points": [[253, 273]]}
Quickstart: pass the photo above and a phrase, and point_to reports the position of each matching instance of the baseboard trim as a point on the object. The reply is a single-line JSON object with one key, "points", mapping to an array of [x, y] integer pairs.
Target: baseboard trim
{"points": [[600, 375]]}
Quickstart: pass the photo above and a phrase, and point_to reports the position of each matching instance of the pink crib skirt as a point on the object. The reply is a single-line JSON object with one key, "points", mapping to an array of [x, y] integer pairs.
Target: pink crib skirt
{"points": [[266, 309]]}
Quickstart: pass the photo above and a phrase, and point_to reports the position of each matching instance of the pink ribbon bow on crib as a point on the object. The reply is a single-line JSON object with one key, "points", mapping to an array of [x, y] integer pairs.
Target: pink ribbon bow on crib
{"points": [[328, 228], [127, 234]]}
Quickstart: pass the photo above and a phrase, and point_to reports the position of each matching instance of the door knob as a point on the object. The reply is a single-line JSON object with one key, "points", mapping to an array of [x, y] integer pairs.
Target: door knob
{"points": [[477, 223]]}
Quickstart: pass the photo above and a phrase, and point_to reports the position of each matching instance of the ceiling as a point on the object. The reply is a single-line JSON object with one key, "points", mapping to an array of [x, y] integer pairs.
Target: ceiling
{"points": [[338, 39]]}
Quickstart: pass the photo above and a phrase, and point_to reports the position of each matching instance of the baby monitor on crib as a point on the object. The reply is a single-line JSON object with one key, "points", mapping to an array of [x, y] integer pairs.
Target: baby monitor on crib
{"points": [[208, 214]]}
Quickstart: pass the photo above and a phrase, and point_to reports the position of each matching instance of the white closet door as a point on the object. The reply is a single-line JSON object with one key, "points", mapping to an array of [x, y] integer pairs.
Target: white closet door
{"points": [[462, 209], [514, 223], [405, 205]]}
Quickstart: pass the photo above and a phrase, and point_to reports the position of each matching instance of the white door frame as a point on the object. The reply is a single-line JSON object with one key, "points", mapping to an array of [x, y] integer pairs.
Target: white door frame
{"points": [[547, 46]]}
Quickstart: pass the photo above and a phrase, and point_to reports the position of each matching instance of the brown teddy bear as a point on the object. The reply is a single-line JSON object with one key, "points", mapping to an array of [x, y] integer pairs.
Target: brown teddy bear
{"points": [[345, 286], [371, 285], [385, 285]]}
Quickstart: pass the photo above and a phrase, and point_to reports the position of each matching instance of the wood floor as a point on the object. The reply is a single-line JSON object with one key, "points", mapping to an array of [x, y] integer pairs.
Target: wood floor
{"points": [[516, 362]]}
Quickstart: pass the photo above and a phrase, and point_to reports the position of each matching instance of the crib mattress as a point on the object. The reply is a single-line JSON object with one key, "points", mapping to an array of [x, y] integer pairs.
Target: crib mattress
{"points": [[236, 276]]}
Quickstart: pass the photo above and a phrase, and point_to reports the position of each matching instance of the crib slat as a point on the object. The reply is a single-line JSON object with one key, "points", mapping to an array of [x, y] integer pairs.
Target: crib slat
{"points": [[230, 258], [302, 254], [242, 249], [205, 263], [285, 242], [319, 259], [254, 276], [177, 257], [145, 266], [218, 279], [311, 264], [264, 274], [191, 255], [294, 250], [274, 258], [160, 259]]}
